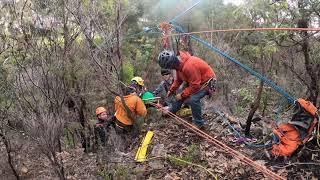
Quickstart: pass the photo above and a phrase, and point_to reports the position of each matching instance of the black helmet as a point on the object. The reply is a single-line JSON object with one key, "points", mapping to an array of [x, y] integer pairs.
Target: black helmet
{"points": [[126, 90], [165, 72], [168, 60]]}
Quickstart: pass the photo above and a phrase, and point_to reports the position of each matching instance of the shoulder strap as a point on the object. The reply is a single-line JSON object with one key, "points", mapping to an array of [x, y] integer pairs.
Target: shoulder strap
{"points": [[129, 112]]}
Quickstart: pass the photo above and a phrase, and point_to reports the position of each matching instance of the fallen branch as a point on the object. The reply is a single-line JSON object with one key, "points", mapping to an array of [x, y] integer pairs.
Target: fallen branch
{"points": [[197, 165], [295, 164]]}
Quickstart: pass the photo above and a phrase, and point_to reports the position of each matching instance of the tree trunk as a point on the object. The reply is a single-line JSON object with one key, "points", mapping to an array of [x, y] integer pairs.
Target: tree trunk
{"points": [[10, 160], [190, 50], [118, 30], [254, 108], [61, 168], [82, 120], [226, 92], [265, 104], [58, 166], [311, 69]]}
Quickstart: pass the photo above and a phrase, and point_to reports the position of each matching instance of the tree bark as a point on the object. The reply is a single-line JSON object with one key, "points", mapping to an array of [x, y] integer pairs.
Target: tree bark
{"points": [[10, 160], [118, 30], [82, 120], [254, 108], [311, 69]]}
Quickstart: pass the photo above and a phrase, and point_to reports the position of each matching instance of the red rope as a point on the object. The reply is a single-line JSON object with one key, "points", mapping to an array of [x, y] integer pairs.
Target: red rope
{"points": [[221, 145], [252, 29]]}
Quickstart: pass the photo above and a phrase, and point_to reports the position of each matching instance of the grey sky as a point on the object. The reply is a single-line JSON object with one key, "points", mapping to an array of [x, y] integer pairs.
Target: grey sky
{"points": [[236, 2]]}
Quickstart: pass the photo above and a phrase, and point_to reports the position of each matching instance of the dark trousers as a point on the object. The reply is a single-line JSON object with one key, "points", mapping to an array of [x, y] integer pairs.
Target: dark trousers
{"points": [[194, 102], [101, 137]]}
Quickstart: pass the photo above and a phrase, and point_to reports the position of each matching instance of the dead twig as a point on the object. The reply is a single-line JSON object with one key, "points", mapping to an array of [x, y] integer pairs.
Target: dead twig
{"points": [[295, 164]]}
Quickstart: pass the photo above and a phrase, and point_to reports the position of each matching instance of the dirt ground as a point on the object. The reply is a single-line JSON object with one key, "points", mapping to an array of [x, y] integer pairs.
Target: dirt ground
{"points": [[171, 143]]}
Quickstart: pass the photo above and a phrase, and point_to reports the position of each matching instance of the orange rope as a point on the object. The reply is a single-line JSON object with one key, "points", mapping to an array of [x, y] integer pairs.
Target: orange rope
{"points": [[252, 29], [221, 145]]}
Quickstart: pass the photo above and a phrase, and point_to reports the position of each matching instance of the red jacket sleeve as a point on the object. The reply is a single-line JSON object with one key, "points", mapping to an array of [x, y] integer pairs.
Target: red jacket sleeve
{"points": [[194, 80], [176, 84]]}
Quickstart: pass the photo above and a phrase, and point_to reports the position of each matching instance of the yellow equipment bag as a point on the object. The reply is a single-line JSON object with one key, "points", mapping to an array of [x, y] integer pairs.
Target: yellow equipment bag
{"points": [[141, 155], [184, 112]]}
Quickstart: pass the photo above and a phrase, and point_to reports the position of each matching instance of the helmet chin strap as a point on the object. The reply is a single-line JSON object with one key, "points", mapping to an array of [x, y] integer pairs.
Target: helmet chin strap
{"points": [[178, 66]]}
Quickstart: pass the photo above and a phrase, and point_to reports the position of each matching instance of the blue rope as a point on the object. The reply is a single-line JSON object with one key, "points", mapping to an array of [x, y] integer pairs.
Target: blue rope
{"points": [[275, 139], [290, 98], [184, 12], [144, 31], [237, 134]]}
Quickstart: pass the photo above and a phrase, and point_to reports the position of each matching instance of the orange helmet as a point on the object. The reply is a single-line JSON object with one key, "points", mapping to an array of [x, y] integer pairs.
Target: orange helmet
{"points": [[100, 110]]}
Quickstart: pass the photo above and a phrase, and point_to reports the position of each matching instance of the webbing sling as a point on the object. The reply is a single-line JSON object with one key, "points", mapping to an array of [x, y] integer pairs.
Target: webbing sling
{"points": [[127, 109]]}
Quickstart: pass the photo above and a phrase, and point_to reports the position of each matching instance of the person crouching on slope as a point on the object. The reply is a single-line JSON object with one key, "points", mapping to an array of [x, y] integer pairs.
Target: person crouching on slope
{"points": [[163, 88], [128, 108], [197, 73], [138, 83], [104, 120]]}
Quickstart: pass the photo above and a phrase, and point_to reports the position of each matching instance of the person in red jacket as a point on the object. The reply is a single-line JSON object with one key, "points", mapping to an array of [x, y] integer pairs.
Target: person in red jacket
{"points": [[197, 73]]}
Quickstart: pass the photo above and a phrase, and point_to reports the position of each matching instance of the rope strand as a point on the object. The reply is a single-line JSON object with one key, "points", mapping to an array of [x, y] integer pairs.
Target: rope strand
{"points": [[221, 145], [247, 29]]}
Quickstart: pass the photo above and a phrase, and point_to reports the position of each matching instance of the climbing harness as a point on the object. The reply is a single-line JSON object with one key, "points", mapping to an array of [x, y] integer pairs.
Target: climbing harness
{"points": [[210, 86]]}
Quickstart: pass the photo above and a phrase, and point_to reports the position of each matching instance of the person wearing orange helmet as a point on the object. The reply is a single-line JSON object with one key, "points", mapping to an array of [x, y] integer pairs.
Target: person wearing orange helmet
{"points": [[104, 120], [102, 113]]}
